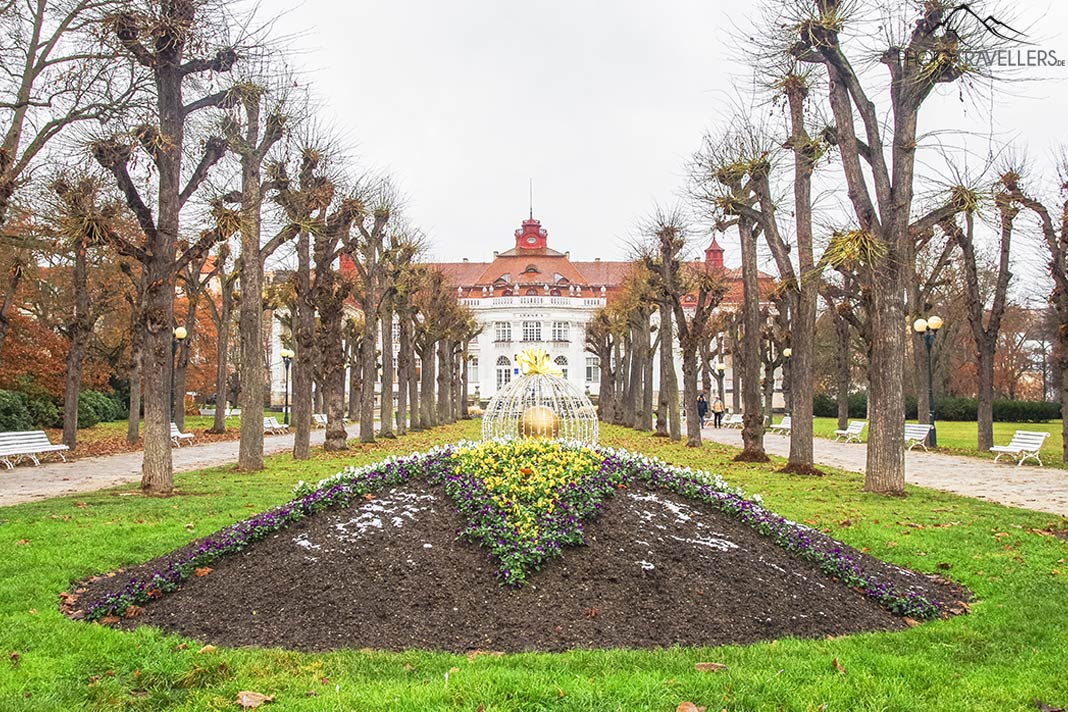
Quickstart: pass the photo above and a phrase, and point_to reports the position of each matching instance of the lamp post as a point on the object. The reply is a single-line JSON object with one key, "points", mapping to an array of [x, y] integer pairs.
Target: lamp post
{"points": [[287, 358], [720, 368], [929, 328], [179, 336], [786, 354]]}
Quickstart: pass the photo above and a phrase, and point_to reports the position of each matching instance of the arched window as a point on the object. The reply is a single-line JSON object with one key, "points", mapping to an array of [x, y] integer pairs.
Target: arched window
{"points": [[554, 293], [531, 292], [504, 371], [561, 361]]}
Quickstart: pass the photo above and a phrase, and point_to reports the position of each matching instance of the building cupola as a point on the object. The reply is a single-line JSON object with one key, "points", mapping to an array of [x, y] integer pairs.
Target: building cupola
{"points": [[531, 236], [714, 256]]}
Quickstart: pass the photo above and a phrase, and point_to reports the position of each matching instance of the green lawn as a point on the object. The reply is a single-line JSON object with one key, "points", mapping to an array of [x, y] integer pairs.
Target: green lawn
{"points": [[961, 438], [1010, 650]]}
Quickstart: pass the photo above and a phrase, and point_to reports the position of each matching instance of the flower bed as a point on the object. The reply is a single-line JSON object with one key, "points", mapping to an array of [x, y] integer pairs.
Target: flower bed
{"points": [[524, 501]]}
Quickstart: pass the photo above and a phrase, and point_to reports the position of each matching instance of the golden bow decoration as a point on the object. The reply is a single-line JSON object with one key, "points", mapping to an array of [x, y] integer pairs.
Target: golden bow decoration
{"points": [[536, 362]]}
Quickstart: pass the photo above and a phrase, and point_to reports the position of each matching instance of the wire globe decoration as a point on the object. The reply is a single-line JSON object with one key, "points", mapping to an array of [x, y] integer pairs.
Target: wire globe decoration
{"points": [[540, 404]]}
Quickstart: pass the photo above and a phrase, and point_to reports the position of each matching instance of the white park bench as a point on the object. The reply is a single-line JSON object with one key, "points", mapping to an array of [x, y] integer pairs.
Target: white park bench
{"points": [[177, 436], [916, 434], [273, 427], [230, 412], [734, 420], [319, 420], [783, 427], [1024, 445], [852, 432], [27, 445]]}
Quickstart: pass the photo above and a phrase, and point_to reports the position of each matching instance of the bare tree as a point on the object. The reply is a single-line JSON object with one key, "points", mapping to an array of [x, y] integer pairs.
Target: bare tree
{"points": [[173, 28], [879, 170], [985, 311]]}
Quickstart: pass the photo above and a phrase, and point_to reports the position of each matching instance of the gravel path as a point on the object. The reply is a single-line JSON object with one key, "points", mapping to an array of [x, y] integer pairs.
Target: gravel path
{"points": [[1044, 489], [26, 483]]}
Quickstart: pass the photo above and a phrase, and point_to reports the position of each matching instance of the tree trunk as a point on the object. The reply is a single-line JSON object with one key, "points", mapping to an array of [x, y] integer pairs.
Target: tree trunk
{"points": [[250, 309], [801, 377], [370, 378], [332, 358], [689, 394], [427, 406], [843, 367], [662, 394], [304, 351], [355, 348], [885, 471], [753, 419], [222, 343], [404, 356], [385, 409], [645, 376], [985, 400], [133, 423], [444, 410], [78, 333], [464, 383]]}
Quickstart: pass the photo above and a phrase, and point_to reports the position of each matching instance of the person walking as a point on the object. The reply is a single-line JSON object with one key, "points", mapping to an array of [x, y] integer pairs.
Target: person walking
{"points": [[702, 408], [717, 413]]}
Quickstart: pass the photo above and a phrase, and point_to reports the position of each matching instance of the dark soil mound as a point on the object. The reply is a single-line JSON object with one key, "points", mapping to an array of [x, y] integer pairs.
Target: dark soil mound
{"points": [[658, 570]]}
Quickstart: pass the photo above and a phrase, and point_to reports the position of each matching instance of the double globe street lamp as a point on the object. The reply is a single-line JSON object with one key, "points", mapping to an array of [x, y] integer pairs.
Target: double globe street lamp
{"points": [[287, 359], [180, 334], [929, 328]]}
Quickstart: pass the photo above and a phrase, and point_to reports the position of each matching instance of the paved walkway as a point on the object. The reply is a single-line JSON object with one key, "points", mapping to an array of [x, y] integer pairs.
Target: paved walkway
{"points": [[26, 483], [1041, 489], [1044, 489]]}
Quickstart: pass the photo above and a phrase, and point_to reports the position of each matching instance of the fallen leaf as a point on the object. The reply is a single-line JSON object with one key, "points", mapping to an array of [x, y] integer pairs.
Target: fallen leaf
{"points": [[14, 658], [560, 692], [1043, 707], [81, 505], [181, 646], [943, 566], [839, 667], [368, 496], [593, 612], [911, 622], [709, 667], [251, 700], [408, 667], [202, 571], [108, 620], [472, 654], [133, 611], [689, 707], [22, 542], [454, 669], [207, 649]]}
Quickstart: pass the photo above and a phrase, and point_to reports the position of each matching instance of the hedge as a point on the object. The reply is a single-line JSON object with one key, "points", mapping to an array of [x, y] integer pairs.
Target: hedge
{"points": [[13, 412], [950, 409]]}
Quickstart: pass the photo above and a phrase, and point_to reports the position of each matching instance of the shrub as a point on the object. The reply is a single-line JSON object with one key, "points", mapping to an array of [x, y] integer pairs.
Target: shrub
{"points": [[825, 405], [13, 412], [87, 415], [44, 412], [104, 406], [1015, 411]]}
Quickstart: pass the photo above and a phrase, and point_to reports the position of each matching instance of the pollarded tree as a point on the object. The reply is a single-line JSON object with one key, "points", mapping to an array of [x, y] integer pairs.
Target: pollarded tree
{"points": [[985, 309], [603, 334], [878, 160], [173, 29]]}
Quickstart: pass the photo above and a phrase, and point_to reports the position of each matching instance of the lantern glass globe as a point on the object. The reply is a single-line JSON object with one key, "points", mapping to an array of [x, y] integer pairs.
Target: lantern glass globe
{"points": [[934, 323], [787, 352], [919, 326], [721, 367], [180, 333]]}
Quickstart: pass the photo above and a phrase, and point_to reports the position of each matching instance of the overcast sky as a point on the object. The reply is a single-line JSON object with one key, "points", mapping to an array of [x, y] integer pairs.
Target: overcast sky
{"points": [[600, 103]]}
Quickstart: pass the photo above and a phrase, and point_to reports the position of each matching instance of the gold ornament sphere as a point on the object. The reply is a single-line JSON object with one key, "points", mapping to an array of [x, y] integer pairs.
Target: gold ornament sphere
{"points": [[539, 421]]}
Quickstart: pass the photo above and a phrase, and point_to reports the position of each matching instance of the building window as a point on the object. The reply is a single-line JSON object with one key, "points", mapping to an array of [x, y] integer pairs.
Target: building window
{"points": [[504, 372], [502, 331], [561, 330], [593, 369], [561, 361], [396, 331], [472, 369], [531, 331], [531, 292]]}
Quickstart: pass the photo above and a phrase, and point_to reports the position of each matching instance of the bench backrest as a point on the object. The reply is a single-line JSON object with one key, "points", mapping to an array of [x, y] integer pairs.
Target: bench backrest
{"points": [[856, 427], [917, 431], [175, 430], [1028, 439], [785, 421], [319, 417], [270, 422], [24, 439]]}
